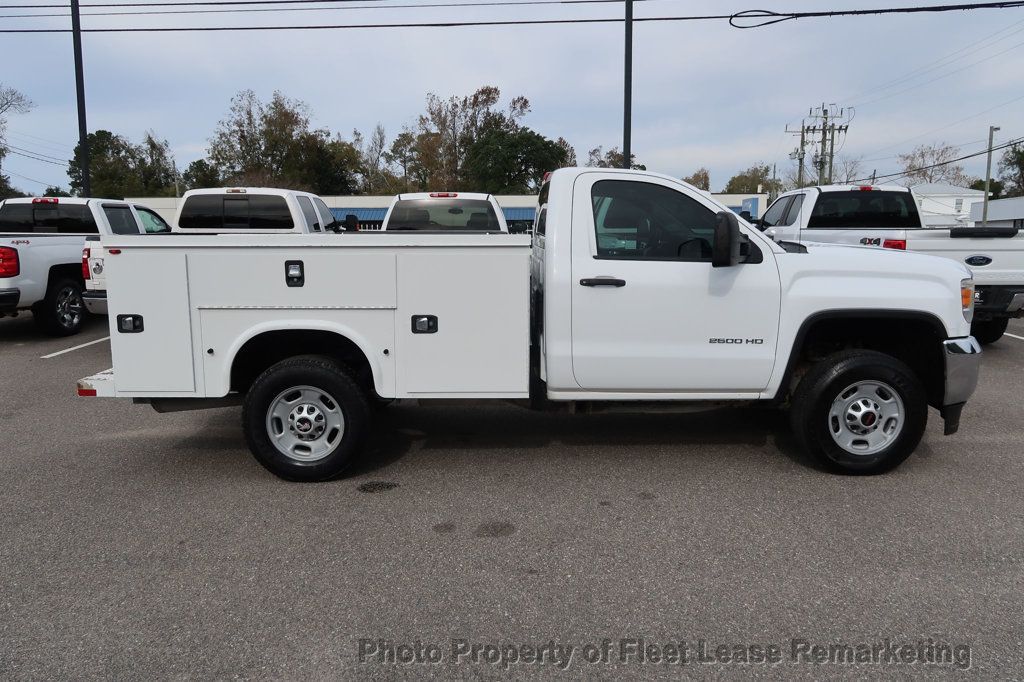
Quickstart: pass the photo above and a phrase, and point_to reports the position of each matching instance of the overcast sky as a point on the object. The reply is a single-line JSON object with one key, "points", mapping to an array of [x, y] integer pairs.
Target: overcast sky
{"points": [[705, 94]]}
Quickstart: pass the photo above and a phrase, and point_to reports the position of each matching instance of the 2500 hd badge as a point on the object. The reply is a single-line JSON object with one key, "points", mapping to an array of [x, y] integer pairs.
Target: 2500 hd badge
{"points": [[756, 342]]}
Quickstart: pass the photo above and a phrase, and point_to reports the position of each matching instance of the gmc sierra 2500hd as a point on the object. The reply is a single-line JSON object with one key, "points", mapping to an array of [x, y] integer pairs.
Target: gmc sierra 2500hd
{"points": [[636, 290]]}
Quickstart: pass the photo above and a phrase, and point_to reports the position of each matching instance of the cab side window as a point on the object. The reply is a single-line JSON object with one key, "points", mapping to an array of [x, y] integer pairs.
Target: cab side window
{"points": [[643, 221], [776, 213], [152, 223], [121, 219], [309, 213], [794, 210]]}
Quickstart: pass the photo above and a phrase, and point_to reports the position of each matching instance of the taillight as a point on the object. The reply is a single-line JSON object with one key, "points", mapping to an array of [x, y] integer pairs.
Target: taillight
{"points": [[865, 188], [85, 264], [46, 200], [899, 244], [9, 265], [443, 195]]}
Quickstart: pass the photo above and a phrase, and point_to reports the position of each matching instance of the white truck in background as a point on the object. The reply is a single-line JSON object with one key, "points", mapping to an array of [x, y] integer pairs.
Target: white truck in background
{"points": [[887, 217], [41, 254], [445, 212], [635, 292], [118, 218], [255, 210]]}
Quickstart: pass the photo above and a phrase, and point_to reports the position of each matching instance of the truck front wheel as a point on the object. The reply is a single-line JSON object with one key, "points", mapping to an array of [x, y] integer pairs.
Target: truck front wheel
{"points": [[305, 419], [989, 331], [859, 412]]}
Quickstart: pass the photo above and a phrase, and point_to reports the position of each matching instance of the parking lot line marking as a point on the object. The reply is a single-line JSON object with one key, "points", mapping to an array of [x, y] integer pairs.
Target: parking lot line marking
{"points": [[1014, 336], [68, 350]]}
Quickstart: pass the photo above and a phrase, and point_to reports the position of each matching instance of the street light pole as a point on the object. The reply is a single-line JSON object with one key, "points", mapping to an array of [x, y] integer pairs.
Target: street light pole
{"points": [[988, 176], [627, 113], [83, 130]]}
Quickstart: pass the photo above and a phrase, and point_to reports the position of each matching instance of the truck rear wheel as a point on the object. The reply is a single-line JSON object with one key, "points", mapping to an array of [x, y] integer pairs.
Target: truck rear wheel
{"points": [[62, 312], [305, 419], [859, 412], [989, 331]]}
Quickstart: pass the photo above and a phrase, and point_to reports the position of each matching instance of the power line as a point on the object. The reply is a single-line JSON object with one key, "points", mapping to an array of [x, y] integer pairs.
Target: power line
{"points": [[774, 18], [9, 146], [911, 171], [28, 156], [938, 78], [948, 125], [188, 3], [25, 177], [46, 142], [494, 3], [940, 62]]}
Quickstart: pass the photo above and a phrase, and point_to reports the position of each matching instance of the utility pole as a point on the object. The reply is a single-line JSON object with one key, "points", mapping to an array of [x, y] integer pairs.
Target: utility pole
{"points": [[988, 176], [83, 129], [823, 156], [627, 110], [799, 153]]}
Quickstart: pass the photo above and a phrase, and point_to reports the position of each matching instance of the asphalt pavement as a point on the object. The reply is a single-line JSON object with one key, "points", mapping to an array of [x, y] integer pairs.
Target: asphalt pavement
{"points": [[491, 541]]}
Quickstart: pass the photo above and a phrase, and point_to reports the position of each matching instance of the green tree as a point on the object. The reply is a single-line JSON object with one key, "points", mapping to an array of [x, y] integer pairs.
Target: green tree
{"points": [[613, 158], [701, 179], [995, 187], [503, 161], [201, 174], [1011, 170], [755, 180], [54, 191], [118, 168], [273, 144]]}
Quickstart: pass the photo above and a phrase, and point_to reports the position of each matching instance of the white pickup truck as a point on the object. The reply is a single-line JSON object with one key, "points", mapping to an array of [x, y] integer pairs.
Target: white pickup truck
{"points": [[41, 254], [886, 216], [637, 292], [118, 218], [256, 210], [445, 212]]}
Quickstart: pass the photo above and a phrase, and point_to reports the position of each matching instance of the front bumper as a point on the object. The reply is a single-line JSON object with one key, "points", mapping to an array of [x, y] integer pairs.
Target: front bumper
{"points": [[998, 301], [962, 358], [9, 300], [95, 302]]}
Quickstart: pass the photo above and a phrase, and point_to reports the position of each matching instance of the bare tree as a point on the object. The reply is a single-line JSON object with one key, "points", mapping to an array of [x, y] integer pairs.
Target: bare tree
{"points": [[11, 102], [847, 169], [933, 163]]}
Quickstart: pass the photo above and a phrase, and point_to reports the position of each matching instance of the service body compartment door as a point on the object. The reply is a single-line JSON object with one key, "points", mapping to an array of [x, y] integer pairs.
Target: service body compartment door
{"points": [[151, 284], [462, 324]]}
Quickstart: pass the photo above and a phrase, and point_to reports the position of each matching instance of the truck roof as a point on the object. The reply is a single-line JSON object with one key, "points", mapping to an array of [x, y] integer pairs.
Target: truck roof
{"points": [[850, 188], [58, 200], [274, 191], [409, 196]]}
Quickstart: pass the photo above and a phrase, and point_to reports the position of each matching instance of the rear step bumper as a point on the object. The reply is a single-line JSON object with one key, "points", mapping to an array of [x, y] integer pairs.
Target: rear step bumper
{"points": [[98, 385]]}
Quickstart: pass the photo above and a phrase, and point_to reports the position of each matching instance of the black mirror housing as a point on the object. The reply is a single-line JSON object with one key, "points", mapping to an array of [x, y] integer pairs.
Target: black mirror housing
{"points": [[725, 251]]}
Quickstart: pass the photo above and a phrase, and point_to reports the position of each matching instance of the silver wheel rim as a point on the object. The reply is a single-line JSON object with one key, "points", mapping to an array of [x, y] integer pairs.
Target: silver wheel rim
{"points": [[305, 423], [69, 307], [866, 417]]}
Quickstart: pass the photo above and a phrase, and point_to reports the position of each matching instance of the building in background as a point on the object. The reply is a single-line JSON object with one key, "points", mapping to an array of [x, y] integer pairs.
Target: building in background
{"points": [[1001, 213], [943, 205]]}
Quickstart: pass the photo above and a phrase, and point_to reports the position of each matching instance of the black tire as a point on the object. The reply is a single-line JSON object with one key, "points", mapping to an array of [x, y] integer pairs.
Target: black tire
{"points": [[336, 386], [827, 381], [989, 331], [61, 312]]}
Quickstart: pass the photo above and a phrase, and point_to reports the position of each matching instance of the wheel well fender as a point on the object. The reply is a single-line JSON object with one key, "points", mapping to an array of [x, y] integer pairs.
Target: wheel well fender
{"points": [[913, 337], [264, 344]]}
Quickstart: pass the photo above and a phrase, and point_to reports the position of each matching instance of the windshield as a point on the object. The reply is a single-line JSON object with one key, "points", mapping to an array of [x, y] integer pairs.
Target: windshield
{"points": [[444, 214], [859, 209]]}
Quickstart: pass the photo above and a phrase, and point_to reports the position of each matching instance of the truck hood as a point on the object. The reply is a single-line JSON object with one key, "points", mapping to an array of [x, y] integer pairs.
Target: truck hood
{"points": [[834, 277]]}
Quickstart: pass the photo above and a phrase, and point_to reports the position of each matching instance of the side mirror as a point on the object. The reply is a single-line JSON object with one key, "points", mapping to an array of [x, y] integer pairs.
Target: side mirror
{"points": [[726, 249]]}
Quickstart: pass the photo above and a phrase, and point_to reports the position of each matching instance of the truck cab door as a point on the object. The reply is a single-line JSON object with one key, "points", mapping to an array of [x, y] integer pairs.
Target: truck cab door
{"points": [[649, 312]]}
